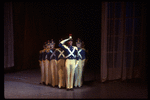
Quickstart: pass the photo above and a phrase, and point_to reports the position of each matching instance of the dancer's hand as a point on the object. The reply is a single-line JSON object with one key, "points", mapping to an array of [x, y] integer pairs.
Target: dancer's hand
{"points": [[70, 36]]}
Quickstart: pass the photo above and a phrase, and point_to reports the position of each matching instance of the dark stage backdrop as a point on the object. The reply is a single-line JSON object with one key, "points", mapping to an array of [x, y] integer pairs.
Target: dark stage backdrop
{"points": [[8, 36], [37, 22]]}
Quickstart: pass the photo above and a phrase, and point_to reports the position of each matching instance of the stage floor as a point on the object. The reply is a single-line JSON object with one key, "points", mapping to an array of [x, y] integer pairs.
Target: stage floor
{"points": [[25, 84]]}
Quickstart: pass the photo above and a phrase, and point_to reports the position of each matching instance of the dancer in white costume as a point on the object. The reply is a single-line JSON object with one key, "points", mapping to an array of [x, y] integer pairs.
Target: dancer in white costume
{"points": [[47, 65], [60, 56], [79, 69], [71, 63], [43, 52], [53, 64]]}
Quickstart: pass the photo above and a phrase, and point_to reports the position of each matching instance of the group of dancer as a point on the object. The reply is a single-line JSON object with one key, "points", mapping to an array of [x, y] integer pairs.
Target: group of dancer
{"points": [[62, 67]]}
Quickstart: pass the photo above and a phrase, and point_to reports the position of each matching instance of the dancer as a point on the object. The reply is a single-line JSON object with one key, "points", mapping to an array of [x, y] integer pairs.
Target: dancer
{"points": [[70, 64], [53, 64], [60, 56], [47, 65], [79, 69], [43, 52]]}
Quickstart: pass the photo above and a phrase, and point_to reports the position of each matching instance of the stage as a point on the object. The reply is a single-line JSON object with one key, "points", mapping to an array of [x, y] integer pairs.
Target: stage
{"points": [[25, 84]]}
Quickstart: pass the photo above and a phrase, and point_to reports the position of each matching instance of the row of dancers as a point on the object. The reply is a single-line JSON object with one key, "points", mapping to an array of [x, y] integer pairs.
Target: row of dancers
{"points": [[63, 66]]}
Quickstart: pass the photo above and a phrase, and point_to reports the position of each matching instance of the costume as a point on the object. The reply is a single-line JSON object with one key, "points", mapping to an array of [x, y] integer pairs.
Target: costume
{"points": [[60, 56], [70, 64], [53, 64], [79, 69]]}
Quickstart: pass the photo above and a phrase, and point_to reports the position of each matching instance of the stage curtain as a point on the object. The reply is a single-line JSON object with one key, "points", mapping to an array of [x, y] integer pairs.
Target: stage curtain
{"points": [[122, 55], [8, 36]]}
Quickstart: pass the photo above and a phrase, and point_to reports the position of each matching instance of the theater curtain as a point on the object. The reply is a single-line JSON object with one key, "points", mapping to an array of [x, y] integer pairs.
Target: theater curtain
{"points": [[8, 36], [122, 41]]}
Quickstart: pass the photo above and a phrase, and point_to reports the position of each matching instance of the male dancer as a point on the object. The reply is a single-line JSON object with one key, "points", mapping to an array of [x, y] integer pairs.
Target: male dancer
{"points": [[79, 69], [84, 62], [70, 64], [47, 65], [53, 64], [43, 64], [60, 56]]}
